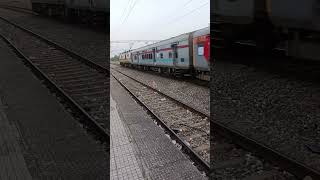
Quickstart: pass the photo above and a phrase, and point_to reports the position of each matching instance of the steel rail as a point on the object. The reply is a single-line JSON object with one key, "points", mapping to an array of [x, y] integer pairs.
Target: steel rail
{"points": [[104, 133], [68, 51], [19, 9], [198, 111], [298, 169], [199, 82], [202, 165]]}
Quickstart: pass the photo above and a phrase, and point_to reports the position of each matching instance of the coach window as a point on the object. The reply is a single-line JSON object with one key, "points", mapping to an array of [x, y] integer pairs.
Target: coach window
{"points": [[170, 54], [200, 50], [161, 55], [151, 56]]}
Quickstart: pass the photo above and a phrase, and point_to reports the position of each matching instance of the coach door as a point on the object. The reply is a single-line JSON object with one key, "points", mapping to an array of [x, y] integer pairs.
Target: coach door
{"points": [[154, 55], [175, 54]]}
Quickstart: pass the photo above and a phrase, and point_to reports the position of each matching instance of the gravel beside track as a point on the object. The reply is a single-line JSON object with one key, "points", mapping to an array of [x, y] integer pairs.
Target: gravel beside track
{"points": [[229, 161], [190, 126], [190, 94], [87, 43], [282, 113]]}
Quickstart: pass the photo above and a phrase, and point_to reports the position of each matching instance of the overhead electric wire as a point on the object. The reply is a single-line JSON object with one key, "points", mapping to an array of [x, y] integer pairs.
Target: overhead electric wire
{"points": [[125, 9], [178, 8], [187, 3], [135, 2], [190, 12], [130, 41]]}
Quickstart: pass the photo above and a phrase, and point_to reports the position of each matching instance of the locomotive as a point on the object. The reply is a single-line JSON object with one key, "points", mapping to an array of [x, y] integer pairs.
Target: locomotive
{"points": [[186, 54], [290, 25], [87, 11]]}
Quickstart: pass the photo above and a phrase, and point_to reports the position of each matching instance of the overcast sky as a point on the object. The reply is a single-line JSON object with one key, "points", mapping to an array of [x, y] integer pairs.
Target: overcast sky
{"points": [[154, 20]]}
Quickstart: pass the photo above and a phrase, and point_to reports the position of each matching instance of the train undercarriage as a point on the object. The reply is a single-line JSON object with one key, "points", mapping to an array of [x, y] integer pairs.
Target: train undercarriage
{"points": [[266, 37], [72, 15], [266, 31], [179, 73]]}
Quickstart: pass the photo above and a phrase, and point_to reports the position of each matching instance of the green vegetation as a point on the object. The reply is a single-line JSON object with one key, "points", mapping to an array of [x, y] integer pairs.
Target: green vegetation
{"points": [[115, 58]]}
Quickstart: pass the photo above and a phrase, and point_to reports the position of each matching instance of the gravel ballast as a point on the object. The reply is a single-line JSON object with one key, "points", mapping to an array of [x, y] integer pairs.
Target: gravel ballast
{"points": [[190, 94], [280, 112], [87, 43]]}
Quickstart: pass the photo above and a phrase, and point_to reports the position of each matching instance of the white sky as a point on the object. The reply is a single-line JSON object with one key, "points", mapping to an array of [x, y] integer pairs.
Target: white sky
{"points": [[154, 20]]}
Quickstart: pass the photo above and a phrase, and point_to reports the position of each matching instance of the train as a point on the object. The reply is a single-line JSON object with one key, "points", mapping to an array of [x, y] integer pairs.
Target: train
{"points": [[187, 54], [93, 12], [289, 25]]}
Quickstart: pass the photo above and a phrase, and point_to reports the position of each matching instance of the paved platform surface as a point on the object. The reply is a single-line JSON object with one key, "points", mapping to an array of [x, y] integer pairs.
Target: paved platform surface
{"points": [[124, 164], [156, 155], [53, 144], [12, 163]]}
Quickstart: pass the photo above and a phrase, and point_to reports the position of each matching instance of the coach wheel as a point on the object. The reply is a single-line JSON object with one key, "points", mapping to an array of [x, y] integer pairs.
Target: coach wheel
{"points": [[230, 34], [266, 40], [266, 37]]}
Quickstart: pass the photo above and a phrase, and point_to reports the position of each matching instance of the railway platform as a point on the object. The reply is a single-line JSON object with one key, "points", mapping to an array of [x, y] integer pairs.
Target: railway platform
{"points": [[12, 163], [140, 147], [39, 139]]}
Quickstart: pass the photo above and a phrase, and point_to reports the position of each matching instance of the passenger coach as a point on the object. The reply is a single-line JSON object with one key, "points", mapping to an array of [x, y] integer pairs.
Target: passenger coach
{"points": [[292, 25], [186, 54]]}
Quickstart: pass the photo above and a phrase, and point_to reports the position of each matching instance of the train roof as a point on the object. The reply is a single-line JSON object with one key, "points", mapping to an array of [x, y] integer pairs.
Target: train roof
{"points": [[202, 31], [173, 39]]}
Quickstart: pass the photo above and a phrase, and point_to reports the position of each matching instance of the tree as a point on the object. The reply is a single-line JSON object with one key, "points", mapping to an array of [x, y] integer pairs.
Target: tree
{"points": [[115, 58]]}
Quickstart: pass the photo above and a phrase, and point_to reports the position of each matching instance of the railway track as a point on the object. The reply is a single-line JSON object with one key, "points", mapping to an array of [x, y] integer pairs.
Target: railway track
{"points": [[188, 127], [247, 158], [19, 9], [234, 158], [235, 155], [232, 154], [196, 97], [184, 78], [80, 83]]}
